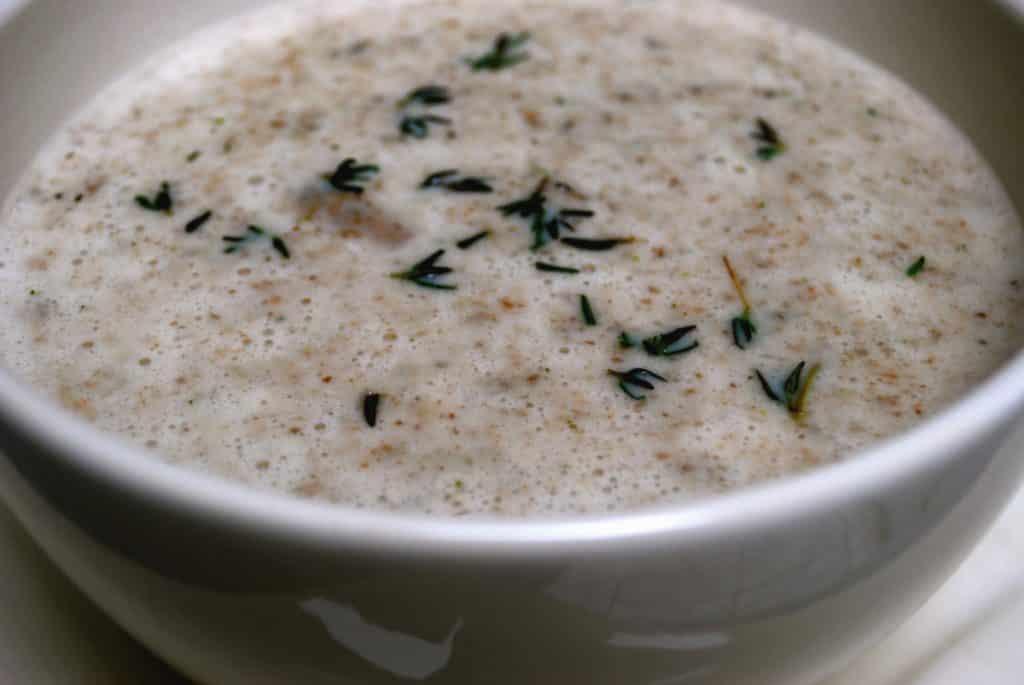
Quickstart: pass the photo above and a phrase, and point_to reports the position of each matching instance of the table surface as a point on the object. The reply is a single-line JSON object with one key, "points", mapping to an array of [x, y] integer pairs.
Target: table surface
{"points": [[968, 633]]}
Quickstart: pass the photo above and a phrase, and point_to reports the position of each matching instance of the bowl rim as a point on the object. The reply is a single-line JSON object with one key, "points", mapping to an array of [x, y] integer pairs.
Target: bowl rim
{"points": [[886, 465]]}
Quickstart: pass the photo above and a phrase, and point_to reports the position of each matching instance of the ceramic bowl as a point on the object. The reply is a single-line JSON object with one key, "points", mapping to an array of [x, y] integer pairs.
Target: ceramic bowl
{"points": [[781, 584]]}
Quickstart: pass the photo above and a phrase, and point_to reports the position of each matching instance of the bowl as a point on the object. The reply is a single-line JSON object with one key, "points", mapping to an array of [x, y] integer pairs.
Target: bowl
{"points": [[781, 584]]}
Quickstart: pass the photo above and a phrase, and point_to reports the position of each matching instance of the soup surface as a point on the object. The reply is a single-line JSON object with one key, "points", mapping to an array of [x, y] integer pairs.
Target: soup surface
{"points": [[514, 258]]}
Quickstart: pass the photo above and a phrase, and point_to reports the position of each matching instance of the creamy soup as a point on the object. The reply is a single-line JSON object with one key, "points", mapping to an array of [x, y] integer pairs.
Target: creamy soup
{"points": [[467, 257]]}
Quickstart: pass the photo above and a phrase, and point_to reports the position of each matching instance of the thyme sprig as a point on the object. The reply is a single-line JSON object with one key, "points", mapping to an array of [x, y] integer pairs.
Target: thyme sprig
{"points": [[505, 53], [426, 273], [671, 344], [160, 202], [634, 381], [253, 234], [792, 393], [545, 224], [771, 145], [744, 330], [371, 405], [450, 180], [350, 175]]}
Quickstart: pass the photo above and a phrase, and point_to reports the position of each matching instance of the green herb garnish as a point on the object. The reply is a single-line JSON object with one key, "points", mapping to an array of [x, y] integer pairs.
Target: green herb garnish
{"points": [[193, 156], [350, 174], [428, 96], [161, 202], [371, 403], [595, 245], [426, 273], [419, 126], [252, 234], [449, 180], [197, 223], [671, 344], [587, 311], [575, 213], [917, 267], [532, 205], [743, 331], [743, 328], [626, 341], [472, 240], [630, 381], [545, 225], [555, 269], [792, 394], [505, 53], [771, 144]]}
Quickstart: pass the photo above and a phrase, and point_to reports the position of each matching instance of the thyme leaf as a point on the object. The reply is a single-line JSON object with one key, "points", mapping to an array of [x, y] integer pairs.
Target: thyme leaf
{"points": [[596, 245], [197, 223], [418, 126], [252, 234], [161, 202], [470, 184], [472, 240], [626, 341], [426, 273], [634, 381], [438, 178], [771, 145], [555, 269], [449, 180], [743, 331], [917, 267], [278, 244], [371, 404], [768, 389], [349, 176], [575, 213], [671, 344], [505, 53], [428, 96], [587, 311]]}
